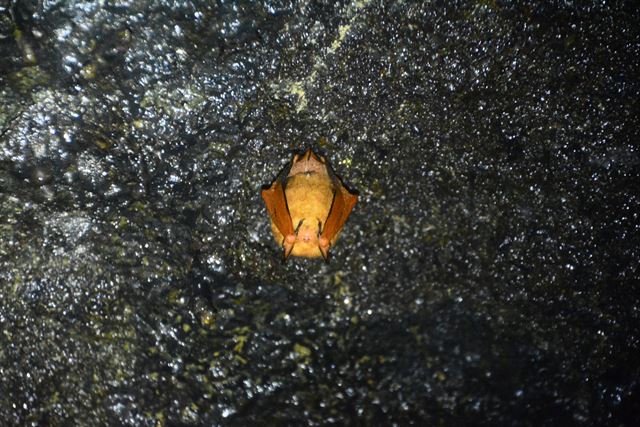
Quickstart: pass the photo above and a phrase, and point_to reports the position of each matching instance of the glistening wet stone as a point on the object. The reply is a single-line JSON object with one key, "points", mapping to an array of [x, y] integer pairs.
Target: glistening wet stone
{"points": [[488, 274]]}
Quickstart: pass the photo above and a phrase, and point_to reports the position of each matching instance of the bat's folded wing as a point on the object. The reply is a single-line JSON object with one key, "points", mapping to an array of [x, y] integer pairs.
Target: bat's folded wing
{"points": [[343, 203], [276, 201]]}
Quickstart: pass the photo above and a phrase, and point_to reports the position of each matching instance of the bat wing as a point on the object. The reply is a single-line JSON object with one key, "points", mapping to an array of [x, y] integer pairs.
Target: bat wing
{"points": [[276, 201], [343, 203]]}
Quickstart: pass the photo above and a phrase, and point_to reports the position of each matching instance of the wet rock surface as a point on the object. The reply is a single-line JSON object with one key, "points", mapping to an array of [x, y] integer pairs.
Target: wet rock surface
{"points": [[488, 274]]}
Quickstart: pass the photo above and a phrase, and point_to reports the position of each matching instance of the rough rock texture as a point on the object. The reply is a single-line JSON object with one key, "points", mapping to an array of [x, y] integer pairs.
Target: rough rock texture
{"points": [[488, 275]]}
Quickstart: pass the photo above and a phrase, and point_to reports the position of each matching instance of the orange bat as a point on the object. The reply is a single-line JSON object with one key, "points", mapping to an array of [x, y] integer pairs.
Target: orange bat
{"points": [[308, 194]]}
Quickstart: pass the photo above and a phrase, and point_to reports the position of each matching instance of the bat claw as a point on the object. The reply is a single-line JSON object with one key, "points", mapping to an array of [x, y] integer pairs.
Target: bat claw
{"points": [[323, 245], [325, 254], [287, 245]]}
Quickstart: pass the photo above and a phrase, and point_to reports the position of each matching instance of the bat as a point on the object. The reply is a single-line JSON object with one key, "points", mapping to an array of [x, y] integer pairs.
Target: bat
{"points": [[308, 205]]}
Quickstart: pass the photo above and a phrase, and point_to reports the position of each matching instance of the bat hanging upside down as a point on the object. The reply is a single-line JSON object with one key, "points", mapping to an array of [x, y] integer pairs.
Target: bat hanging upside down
{"points": [[308, 206]]}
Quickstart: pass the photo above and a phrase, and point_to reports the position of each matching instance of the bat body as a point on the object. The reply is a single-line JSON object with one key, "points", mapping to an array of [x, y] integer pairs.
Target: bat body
{"points": [[308, 206]]}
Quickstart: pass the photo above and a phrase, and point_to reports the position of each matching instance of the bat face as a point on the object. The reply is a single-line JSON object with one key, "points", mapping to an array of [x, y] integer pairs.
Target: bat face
{"points": [[308, 206]]}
